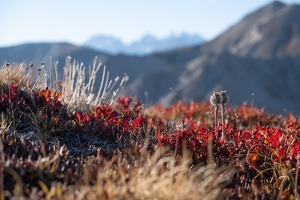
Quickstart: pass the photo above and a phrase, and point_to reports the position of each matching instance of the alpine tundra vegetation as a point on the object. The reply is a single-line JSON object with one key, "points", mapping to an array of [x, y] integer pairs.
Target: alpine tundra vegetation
{"points": [[61, 140]]}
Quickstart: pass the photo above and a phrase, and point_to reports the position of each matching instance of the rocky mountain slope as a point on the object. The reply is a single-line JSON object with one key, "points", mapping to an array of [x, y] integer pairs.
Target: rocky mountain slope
{"points": [[260, 55], [272, 31]]}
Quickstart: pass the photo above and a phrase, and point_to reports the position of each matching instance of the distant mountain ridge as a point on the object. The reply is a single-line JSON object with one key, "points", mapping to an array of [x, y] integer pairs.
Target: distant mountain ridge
{"points": [[260, 55], [272, 31], [41, 52], [146, 45]]}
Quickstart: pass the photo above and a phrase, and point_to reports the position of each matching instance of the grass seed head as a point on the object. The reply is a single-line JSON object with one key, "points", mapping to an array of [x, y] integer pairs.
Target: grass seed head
{"points": [[215, 99], [224, 97]]}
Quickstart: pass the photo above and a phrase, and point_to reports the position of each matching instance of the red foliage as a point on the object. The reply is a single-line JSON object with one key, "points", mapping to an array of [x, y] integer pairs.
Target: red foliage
{"points": [[295, 150], [9, 98], [82, 119], [49, 98], [256, 143], [253, 135]]}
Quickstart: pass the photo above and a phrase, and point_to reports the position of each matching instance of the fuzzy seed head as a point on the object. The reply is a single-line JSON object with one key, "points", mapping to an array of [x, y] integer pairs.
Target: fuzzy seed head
{"points": [[224, 97], [31, 64], [6, 65], [215, 99]]}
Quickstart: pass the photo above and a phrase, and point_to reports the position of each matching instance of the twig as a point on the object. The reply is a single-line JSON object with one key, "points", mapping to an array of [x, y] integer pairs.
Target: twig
{"points": [[296, 177], [2, 161]]}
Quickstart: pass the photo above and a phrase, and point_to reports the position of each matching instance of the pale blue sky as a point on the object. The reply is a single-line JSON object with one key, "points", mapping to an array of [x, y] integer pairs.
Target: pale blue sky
{"points": [[76, 20]]}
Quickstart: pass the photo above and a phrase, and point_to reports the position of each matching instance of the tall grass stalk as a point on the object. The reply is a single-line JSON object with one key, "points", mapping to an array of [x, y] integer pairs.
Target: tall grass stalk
{"points": [[224, 100], [215, 100], [296, 177], [79, 93], [2, 161], [41, 81]]}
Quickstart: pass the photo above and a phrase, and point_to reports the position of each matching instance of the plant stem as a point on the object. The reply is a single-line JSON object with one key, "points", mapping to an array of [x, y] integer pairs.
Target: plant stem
{"points": [[223, 137], [296, 177], [1, 171], [216, 119], [210, 153]]}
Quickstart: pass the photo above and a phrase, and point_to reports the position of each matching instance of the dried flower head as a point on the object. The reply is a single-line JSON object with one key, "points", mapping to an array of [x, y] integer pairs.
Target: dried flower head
{"points": [[59, 83], [215, 99], [31, 64], [42, 63], [6, 65], [224, 97]]}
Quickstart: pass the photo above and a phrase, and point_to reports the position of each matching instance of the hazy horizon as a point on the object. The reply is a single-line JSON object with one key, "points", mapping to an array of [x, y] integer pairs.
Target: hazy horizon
{"points": [[76, 21]]}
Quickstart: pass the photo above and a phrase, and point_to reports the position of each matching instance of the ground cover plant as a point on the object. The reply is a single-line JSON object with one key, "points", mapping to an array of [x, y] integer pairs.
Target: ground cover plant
{"points": [[66, 142]]}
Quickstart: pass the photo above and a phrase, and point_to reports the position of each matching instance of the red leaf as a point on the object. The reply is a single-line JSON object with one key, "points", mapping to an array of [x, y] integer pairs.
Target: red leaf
{"points": [[158, 135], [87, 118], [162, 140], [274, 141], [125, 125], [79, 118], [137, 122], [295, 150]]}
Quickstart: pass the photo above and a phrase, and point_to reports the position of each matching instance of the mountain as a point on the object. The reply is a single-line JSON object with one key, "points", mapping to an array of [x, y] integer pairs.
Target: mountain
{"points": [[117, 65], [41, 52], [272, 31], [260, 55], [146, 45], [274, 82], [109, 44], [44, 52]]}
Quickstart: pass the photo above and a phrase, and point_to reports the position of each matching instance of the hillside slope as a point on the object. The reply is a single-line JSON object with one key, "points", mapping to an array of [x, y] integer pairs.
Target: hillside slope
{"points": [[241, 63], [272, 31]]}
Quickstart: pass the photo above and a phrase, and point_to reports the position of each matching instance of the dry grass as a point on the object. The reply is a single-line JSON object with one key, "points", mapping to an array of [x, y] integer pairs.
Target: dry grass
{"points": [[79, 93], [79, 89], [155, 177], [1, 171], [13, 73]]}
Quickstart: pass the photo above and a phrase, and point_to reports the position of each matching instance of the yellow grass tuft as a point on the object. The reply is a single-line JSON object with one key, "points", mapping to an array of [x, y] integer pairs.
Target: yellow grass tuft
{"points": [[155, 177]]}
